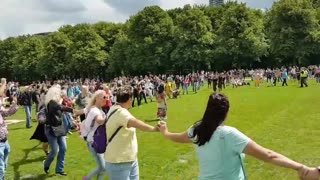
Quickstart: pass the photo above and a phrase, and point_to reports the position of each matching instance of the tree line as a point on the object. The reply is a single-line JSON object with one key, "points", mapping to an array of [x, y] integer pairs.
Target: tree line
{"points": [[178, 40]]}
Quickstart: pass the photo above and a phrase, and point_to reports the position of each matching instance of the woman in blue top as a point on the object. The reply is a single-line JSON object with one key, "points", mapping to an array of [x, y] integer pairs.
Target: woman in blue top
{"points": [[220, 149]]}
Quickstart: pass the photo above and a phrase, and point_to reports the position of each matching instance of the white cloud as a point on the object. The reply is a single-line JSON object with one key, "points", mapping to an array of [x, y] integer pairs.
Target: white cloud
{"points": [[19, 17]]}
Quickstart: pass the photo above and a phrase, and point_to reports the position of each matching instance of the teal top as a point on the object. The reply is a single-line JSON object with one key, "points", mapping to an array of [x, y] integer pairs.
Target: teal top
{"points": [[221, 158]]}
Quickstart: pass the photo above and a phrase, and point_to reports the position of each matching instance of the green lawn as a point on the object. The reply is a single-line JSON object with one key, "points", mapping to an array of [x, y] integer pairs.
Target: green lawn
{"points": [[284, 119]]}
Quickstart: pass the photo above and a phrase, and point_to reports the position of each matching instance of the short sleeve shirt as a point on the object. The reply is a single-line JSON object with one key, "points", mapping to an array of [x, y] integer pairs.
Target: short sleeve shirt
{"points": [[221, 158], [124, 145]]}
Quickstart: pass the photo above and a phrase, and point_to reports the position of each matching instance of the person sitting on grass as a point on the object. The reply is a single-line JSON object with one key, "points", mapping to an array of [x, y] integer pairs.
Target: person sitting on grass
{"points": [[220, 149]]}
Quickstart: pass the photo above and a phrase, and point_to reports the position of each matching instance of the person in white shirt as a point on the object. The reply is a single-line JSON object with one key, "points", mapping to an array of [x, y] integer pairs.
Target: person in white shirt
{"points": [[94, 118], [149, 88]]}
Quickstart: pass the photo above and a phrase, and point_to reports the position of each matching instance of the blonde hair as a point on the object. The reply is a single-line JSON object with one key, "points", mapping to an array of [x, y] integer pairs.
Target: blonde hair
{"points": [[92, 101], [54, 94], [64, 93]]}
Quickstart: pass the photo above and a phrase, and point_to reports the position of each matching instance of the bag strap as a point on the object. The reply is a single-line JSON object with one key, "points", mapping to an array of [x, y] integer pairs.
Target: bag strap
{"points": [[242, 167], [114, 134], [241, 162], [118, 129]]}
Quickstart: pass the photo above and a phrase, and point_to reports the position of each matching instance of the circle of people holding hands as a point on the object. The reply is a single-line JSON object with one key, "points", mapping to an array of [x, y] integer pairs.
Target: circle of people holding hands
{"points": [[109, 129]]}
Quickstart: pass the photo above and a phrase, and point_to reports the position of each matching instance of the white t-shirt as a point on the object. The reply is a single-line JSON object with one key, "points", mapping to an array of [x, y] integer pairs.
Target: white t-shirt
{"points": [[93, 113]]}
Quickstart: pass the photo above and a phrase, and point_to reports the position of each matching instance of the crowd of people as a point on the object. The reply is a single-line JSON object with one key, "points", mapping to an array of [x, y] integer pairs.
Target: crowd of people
{"points": [[100, 110]]}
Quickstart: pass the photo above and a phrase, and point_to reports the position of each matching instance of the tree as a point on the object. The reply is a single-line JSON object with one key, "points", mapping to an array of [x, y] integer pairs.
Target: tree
{"points": [[55, 58], [193, 40], [293, 28], [86, 52], [149, 33], [240, 38], [8, 50], [119, 64], [27, 57]]}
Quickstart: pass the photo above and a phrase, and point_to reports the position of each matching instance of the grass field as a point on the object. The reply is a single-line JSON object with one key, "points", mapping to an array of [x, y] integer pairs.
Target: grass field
{"points": [[285, 119]]}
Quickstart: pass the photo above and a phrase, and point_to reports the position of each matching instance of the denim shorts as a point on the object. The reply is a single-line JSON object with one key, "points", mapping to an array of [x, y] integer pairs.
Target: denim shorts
{"points": [[123, 171]]}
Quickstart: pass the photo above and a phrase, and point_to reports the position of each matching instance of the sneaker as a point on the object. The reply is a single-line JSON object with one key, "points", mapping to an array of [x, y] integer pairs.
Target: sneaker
{"points": [[69, 132], [61, 174], [45, 169]]}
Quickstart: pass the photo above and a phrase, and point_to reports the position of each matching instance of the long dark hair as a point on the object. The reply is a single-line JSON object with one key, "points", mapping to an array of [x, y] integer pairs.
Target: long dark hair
{"points": [[214, 116]]}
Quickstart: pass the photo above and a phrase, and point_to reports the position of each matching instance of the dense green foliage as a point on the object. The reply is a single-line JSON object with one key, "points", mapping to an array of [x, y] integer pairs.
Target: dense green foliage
{"points": [[177, 40]]}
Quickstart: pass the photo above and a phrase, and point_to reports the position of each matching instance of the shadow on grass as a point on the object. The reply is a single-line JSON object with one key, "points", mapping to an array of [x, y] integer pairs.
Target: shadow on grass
{"points": [[17, 128], [151, 120], [25, 160], [35, 177]]}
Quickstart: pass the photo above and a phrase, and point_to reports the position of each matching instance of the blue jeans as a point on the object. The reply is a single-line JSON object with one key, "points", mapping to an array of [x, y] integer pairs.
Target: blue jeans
{"points": [[4, 154], [28, 111], [67, 121], [58, 145], [185, 89], [195, 87], [123, 171], [99, 158]]}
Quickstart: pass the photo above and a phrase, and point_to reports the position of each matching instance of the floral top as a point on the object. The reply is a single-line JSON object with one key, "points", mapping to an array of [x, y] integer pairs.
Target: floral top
{"points": [[3, 126]]}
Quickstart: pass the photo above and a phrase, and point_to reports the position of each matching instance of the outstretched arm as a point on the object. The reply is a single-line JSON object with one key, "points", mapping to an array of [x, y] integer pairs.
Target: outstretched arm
{"points": [[12, 110], [267, 155], [3, 86], [176, 137], [133, 122]]}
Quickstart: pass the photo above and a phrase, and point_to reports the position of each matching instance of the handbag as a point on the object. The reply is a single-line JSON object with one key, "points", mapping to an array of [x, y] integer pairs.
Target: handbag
{"points": [[59, 130]]}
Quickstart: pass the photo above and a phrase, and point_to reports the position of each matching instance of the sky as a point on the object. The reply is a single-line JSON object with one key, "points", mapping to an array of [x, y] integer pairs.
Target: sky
{"points": [[19, 17]]}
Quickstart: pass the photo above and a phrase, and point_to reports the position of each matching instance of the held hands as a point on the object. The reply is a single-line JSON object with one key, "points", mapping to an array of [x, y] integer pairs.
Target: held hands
{"points": [[308, 173], [162, 125]]}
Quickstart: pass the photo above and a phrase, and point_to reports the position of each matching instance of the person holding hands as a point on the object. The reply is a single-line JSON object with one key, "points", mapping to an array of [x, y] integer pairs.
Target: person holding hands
{"points": [[220, 149]]}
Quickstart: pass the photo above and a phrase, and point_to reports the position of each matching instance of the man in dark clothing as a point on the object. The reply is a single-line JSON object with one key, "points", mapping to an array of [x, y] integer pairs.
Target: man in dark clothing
{"points": [[215, 82], [26, 101], [135, 94]]}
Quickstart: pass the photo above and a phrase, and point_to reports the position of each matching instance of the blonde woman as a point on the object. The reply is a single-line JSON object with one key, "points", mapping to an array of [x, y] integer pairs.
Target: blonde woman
{"points": [[57, 144], [94, 118]]}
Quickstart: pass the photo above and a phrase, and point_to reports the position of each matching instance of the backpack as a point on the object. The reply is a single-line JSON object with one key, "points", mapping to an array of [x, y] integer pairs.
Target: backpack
{"points": [[99, 143], [21, 99]]}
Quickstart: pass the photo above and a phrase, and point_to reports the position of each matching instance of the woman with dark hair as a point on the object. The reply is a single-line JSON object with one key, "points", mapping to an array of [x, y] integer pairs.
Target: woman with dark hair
{"points": [[220, 149], [122, 153]]}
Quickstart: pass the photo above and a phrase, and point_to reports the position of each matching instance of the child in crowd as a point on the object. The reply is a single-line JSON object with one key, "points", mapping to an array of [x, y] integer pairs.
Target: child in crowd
{"points": [[162, 104]]}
